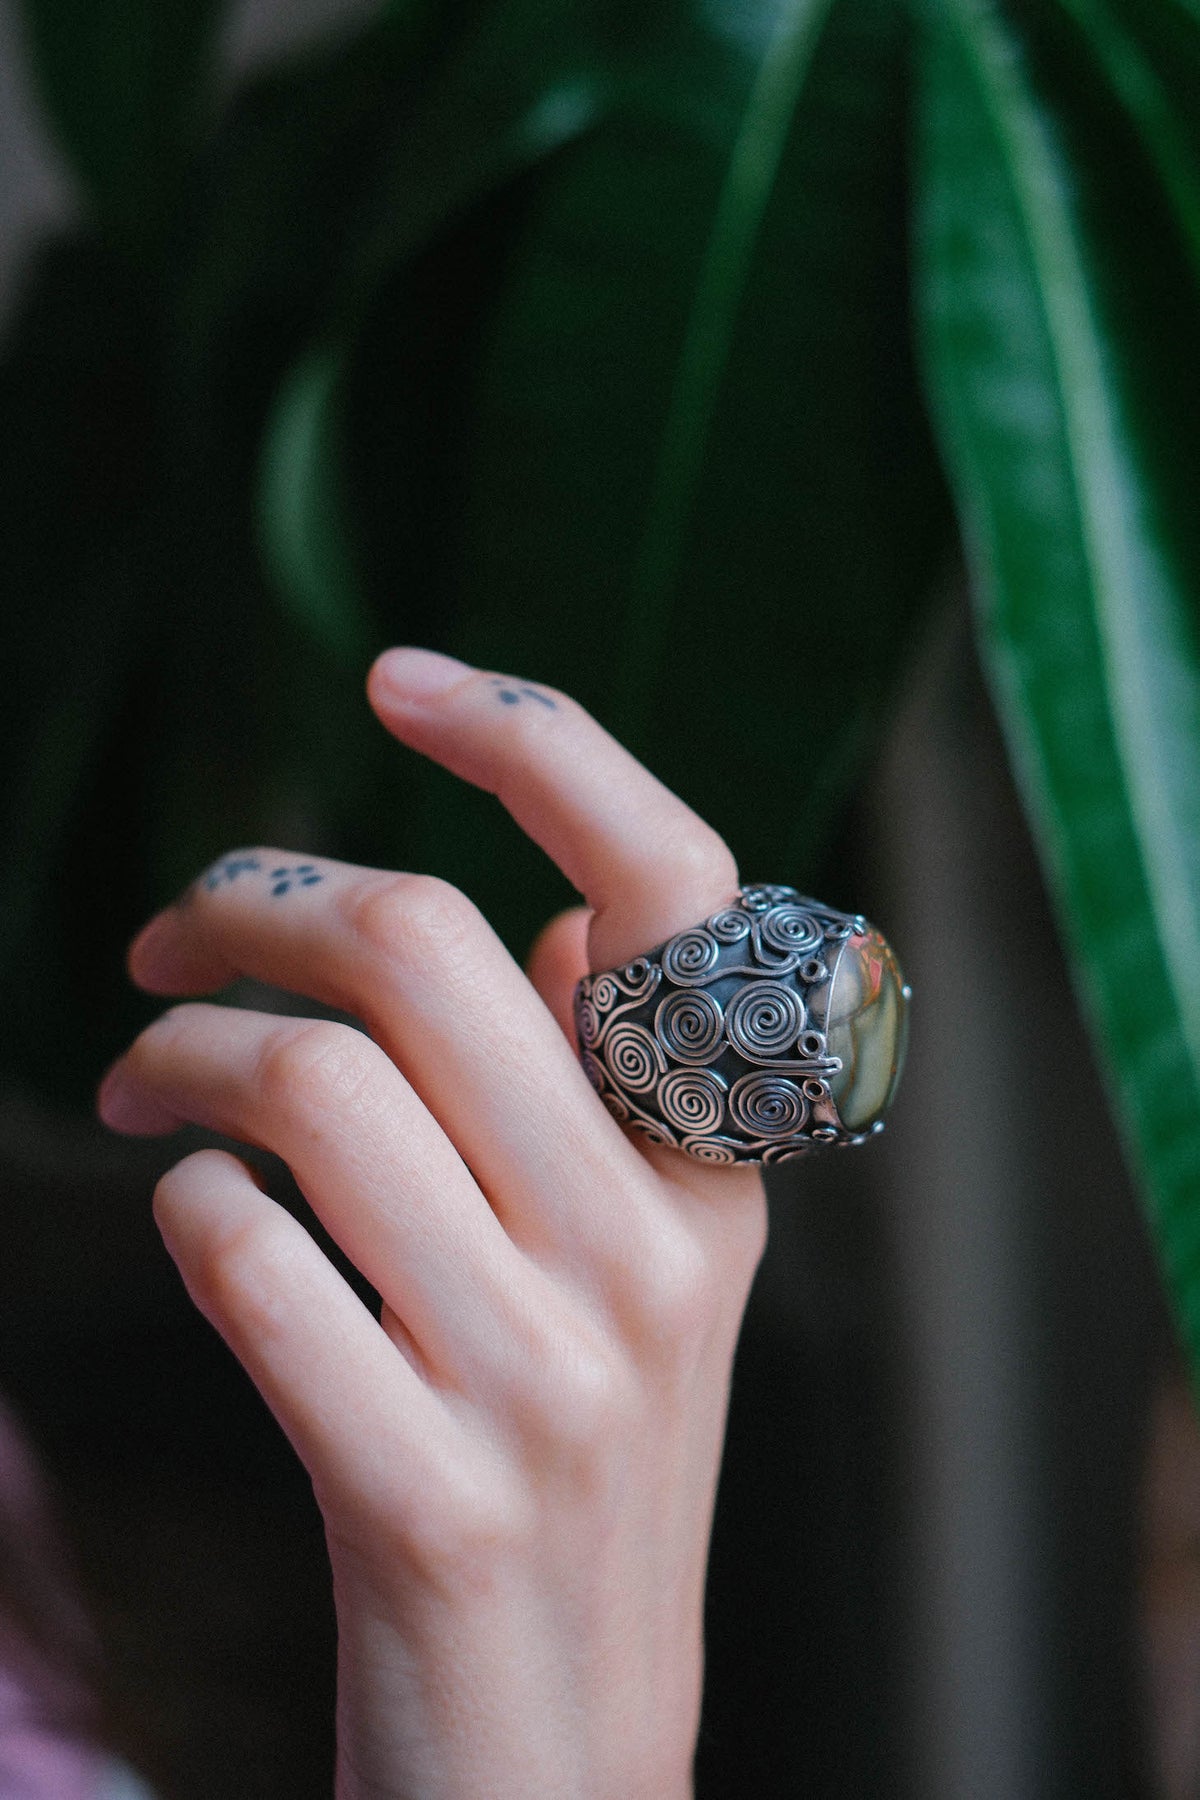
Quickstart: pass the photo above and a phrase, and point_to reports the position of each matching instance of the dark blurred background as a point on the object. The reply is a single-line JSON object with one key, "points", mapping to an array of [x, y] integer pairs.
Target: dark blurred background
{"points": [[938, 1568]]}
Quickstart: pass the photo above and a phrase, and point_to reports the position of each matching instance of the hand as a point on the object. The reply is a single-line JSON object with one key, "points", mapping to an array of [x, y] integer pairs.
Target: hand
{"points": [[516, 1463]]}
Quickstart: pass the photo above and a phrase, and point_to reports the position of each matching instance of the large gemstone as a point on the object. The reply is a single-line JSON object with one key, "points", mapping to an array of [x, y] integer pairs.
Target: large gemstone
{"points": [[866, 1025]]}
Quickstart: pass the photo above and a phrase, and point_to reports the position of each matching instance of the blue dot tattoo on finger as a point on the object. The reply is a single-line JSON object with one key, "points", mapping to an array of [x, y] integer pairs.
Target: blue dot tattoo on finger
{"points": [[226, 872], [300, 875], [512, 693]]}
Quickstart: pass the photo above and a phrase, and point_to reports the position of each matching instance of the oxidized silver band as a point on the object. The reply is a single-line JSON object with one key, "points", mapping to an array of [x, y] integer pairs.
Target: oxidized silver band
{"points": [[774, 1027]]}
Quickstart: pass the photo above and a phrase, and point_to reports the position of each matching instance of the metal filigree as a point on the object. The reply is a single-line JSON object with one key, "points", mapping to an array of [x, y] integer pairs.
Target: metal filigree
{"points": [[715, 1042]]}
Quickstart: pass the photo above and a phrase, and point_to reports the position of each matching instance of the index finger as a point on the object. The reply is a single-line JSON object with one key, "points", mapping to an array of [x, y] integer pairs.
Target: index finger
{"points": [[646, 864]]}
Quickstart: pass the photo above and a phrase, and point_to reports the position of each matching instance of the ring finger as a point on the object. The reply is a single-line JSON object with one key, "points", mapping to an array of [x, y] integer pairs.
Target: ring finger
{"points": [[376, 1168]]}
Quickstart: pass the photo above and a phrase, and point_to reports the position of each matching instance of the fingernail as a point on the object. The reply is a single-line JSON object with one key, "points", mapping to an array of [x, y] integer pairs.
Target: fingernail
{"points": [[116, 1105], [161, 929], [122, 1108], [416, 675]]}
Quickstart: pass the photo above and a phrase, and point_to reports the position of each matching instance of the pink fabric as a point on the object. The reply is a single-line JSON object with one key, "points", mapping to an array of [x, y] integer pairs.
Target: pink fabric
{"points": [[44, 1699], [36, 1762]]}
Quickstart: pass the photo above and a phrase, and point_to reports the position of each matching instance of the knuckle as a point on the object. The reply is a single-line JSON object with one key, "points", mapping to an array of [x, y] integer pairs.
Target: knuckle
{"points": [[306, 1067], [244, 1276], [678, 1294], [699, 856], [598, 1398], [586, 1403], [408, 918]]}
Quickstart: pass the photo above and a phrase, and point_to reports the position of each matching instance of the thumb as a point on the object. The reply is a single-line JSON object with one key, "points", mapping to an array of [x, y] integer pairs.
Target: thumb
{"points": [[558, 960]]}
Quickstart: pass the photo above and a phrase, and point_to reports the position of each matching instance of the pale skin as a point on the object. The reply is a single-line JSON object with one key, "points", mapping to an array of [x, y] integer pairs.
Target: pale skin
{"points": [[516, 1463]]}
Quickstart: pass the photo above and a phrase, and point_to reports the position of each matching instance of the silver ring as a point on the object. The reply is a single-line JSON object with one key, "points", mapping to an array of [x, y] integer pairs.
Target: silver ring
{"points": [[774, 1027]]}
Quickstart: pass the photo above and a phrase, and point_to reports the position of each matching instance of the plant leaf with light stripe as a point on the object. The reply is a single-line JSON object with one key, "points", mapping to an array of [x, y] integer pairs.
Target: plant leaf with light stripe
{"points": [[1055, 431]]}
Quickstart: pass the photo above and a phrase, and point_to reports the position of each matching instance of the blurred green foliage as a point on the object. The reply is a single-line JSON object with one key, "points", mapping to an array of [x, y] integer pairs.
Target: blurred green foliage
{"points": [[577, 337]]}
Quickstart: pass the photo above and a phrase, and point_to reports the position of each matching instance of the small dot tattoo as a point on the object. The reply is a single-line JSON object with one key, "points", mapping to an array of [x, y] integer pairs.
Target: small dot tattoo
{"points": [[302, 875], [224, 873], [512, 693]]}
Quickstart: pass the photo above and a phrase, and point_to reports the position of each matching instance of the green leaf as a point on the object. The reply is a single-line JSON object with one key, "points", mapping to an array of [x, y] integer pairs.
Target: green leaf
{"points": [[306, 537], [519, 81], [125, 86], [449, 157], [669, 452], [275, 205], [1056, 315], [1150, 56], [749, 183]]}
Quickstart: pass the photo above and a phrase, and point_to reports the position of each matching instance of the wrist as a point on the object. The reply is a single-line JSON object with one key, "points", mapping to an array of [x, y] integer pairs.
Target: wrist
{"points": [[474, 1714]]}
